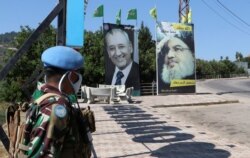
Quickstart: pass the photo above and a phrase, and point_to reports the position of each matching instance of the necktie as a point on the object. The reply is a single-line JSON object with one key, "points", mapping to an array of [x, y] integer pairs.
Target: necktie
{"points": [[119, 77]]}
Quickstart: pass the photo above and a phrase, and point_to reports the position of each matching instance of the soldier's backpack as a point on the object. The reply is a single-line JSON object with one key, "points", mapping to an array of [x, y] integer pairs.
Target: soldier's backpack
{"points": [[90, 117], [16, 123]]}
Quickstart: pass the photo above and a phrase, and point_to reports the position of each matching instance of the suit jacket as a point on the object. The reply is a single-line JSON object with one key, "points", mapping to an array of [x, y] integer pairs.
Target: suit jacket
{"points": [[133, 79]]}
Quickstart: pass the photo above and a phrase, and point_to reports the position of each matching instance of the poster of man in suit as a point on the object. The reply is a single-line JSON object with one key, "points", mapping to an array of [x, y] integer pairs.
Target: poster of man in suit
{"points": [[175, 58], [120, 68]]}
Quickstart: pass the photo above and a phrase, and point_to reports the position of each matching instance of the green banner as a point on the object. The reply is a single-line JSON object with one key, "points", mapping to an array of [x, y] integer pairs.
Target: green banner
{"points": [[99, 11], [118, 17], [132, 14]]}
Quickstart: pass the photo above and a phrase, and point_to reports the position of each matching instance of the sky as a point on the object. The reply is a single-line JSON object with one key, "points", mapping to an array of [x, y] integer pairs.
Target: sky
{"points": [[218, 31]]}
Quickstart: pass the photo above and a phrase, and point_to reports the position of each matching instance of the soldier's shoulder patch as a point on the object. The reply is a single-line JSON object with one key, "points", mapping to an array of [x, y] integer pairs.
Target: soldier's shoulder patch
{"points": [[60, 111]]}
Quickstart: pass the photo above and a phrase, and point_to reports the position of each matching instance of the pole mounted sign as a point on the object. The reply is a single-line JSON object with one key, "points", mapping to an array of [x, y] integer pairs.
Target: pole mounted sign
{"points": [[75, 23]]}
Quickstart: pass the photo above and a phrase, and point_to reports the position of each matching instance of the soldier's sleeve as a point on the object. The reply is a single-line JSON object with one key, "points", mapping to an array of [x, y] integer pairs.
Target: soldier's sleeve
{"points": [[56, 130]]}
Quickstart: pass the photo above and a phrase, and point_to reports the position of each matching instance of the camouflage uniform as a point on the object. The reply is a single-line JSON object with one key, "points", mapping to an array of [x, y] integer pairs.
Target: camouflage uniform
{"points": [[54, 128], [54, 133]]}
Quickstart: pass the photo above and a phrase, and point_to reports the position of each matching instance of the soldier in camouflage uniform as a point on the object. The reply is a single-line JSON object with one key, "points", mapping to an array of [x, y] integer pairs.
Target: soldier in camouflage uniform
{"points": [[54, 130]]}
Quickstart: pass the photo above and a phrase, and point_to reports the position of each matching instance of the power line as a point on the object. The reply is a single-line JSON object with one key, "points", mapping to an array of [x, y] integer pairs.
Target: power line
{"points": [[217, 13], [237, 20], [243, 21]]}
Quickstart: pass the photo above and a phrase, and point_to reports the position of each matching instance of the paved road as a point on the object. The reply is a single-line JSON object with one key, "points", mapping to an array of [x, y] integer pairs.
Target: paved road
{"points": [[230, 121], [237, 87]]}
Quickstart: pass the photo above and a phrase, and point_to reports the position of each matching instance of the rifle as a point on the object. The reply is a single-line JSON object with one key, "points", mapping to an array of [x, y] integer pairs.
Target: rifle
{"points": [[85, 131]]}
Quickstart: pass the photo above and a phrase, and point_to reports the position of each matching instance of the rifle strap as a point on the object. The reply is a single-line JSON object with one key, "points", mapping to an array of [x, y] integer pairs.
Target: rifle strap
{"points": [[47, 95]]}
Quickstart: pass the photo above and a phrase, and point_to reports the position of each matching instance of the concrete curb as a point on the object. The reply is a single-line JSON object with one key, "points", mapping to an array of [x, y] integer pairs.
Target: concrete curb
{"points": [[196, 104]]}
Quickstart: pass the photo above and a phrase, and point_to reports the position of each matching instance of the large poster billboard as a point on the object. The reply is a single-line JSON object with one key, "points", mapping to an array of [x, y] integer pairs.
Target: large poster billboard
{"points": [[175, 58], [120, 68]]}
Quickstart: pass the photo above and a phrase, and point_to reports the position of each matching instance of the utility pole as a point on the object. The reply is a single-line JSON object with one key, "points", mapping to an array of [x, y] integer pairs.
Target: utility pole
{"points": [[61, 24], [183, 9]]}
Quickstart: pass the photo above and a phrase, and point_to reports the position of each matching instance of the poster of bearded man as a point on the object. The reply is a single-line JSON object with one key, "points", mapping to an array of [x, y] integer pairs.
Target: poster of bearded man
{"points": [[175, 58]]}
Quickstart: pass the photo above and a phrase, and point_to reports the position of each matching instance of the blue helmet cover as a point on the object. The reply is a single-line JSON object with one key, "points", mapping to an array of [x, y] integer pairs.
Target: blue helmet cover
{"points": [[62, 57]]}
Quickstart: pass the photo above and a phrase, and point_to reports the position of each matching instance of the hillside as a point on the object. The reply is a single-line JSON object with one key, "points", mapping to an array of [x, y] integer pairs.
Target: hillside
{"points": [[7, 38], [2, 50]]}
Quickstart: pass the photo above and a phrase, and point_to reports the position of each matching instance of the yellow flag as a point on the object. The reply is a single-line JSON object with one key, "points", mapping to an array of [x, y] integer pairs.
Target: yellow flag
{"points": [[153, 13], [190, 16], [183, 19]]}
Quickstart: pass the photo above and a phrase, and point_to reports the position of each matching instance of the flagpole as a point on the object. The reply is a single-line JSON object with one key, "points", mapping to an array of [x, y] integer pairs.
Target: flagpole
{"points": [[103, 16], [156, 55], [156, 20]]}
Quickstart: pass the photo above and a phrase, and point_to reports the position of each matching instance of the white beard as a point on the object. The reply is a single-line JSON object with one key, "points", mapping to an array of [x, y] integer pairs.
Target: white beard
{"points": [[179, 71]]}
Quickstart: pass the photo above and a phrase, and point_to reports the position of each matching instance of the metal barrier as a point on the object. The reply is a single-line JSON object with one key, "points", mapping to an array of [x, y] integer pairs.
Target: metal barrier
{"points": [[146, 89], [149, 88], [218, 76]]}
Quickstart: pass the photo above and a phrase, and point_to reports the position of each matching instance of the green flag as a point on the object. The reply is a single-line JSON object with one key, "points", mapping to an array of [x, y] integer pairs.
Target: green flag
{"points": [[132, 14], [99, 11], [118, 17], [153, 13]]}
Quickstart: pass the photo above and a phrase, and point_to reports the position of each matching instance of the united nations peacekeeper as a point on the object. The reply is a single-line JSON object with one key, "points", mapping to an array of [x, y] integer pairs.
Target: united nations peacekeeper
{"points": [[56, 132]]}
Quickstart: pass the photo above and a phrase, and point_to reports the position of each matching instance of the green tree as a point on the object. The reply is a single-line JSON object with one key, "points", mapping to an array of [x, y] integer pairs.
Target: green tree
{"points": [[247, 59], [231, 68], [221, 57], [224, 68], [147, 55], [227, 58], [11, 87], [94, 69], [238, 56], [203, 69], [215, 67]]}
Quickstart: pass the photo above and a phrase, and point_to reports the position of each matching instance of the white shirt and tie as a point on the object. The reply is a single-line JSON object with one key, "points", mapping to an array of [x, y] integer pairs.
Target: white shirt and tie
{"points": [[125, 73]]}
